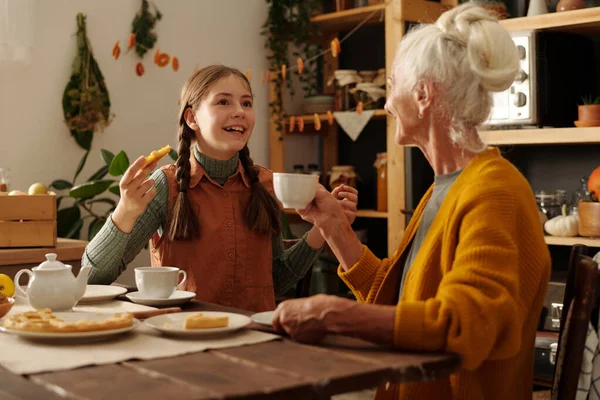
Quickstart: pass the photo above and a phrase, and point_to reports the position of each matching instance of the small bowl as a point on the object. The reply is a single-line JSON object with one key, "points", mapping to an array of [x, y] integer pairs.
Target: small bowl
{"points": [[295, 190], [5, 307]]}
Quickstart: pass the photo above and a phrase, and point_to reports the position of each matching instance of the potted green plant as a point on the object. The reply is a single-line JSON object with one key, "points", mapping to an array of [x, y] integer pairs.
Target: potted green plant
{"points": [[588, 112], [90, 199]]}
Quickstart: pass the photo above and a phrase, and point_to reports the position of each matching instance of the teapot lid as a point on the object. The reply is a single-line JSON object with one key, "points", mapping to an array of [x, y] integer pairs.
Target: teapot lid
{"points": [[51, 263]]}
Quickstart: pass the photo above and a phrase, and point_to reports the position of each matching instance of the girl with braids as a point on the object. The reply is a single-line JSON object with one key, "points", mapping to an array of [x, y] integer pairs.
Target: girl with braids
{"points": [[213, 213]]}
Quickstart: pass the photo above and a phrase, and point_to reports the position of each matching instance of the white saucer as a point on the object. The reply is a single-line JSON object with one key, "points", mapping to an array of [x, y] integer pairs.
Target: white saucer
{"points": [[74, 336], [96, 293], [263, 318], [173, 324], [177, 298]]}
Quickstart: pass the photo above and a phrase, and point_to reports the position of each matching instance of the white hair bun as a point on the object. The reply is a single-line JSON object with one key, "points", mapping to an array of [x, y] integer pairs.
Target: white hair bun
{"points": [[491, 52]]}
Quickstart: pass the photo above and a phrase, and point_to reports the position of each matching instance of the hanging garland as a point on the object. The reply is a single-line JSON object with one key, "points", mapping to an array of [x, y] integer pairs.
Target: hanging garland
{"points": [[279, 26], [143, 39], [86, 104]]}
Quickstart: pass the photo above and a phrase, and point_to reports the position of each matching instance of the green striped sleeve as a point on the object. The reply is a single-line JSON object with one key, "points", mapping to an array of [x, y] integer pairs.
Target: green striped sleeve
{"points": [[111, 249], [289, 266]]}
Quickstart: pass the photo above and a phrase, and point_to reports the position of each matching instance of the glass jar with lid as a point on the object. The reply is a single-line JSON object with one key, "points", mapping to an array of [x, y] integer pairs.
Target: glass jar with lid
{"points": [[342, 175], [549, 203]]}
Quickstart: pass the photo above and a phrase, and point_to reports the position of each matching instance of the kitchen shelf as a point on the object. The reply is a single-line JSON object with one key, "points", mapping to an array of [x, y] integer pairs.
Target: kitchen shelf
{"points": [[586, 20], [542, 136], [359, 213], [570, 241], [347, 19]]}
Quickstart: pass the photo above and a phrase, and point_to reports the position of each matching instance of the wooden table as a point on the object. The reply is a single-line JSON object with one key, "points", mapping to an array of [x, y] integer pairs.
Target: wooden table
{"points": [[276, 369]]}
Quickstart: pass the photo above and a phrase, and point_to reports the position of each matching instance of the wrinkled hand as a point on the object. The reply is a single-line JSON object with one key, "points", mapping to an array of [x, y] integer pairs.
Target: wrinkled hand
{"points": [[136, 191], [304, 319], [326, 206], [349, 200]]}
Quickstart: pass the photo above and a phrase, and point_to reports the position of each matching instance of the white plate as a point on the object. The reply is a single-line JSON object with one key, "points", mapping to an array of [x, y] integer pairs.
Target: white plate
{"points": [[96, 293], [75, 336], [263, 318], [173, 324], [177, 298]]}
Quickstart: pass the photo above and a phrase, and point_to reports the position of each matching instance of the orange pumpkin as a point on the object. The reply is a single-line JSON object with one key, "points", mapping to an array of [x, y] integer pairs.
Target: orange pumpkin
{"points": [[594, 183]]}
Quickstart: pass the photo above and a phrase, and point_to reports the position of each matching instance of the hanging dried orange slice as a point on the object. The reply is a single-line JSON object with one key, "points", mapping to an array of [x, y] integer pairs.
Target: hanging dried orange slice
{"points": [[292, 123], [163, 60], [300, 124], [300, 65], [330, 117], [175, 63], [317, 122], [283, 71], [139, 69], [116, 50], [359, 107], [131, 41], [336, 47]]}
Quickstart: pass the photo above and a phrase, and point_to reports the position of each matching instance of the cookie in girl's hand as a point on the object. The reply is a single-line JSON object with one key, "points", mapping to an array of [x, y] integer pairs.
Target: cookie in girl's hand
{"points": [[156, 155]]}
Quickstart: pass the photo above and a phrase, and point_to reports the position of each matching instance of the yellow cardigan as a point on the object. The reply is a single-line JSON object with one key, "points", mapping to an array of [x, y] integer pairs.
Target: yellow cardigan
{"points": [[476, 287]]}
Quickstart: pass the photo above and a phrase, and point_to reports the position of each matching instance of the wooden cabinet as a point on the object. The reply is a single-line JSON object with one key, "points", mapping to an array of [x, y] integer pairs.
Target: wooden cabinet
{"points": [[393, 16]]}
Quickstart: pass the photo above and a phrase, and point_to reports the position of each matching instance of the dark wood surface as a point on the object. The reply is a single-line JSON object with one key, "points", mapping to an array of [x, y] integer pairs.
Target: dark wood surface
{"points": [[276, 369]]}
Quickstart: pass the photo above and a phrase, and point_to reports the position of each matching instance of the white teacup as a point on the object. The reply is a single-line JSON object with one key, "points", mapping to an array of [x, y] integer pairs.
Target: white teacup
{"points": [[295, 190], [158, 282]]}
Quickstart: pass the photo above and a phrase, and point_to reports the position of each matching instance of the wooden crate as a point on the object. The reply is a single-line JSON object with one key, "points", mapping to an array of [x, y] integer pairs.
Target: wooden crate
{"points": [[27, 221]]}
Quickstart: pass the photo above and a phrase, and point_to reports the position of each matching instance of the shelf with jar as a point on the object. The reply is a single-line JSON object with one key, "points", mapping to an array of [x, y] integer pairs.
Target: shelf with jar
{"points": [[541, 136], [577, 223]]}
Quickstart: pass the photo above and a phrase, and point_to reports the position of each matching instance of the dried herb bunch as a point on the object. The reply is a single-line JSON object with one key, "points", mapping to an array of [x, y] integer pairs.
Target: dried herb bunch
{"points": [[86, 104], [143, 28]]}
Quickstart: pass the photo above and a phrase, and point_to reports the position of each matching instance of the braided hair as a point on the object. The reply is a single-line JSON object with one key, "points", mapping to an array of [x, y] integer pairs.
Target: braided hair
{"points": [[184, 224], [262, 214]]}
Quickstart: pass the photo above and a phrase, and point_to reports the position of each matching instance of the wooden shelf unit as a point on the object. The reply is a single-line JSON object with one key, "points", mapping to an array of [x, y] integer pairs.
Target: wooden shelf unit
{"points": [[586, 20], [359, 213], [570, 241], [392, 15]]}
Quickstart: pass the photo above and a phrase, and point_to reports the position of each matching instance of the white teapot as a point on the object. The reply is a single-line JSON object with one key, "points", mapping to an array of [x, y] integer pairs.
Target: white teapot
{"points": [[53, 285]]}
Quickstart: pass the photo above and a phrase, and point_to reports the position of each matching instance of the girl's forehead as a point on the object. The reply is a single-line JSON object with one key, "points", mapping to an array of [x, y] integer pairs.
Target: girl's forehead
{"points": [[230, 84]]}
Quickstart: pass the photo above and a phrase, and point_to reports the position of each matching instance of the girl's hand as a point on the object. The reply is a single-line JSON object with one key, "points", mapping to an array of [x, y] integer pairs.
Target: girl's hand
{"points": [[349, 200], [136, 193]]}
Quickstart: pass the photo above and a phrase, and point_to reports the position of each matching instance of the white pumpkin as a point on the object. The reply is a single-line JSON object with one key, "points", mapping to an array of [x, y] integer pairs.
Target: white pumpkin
{"points": [[563, 225]]}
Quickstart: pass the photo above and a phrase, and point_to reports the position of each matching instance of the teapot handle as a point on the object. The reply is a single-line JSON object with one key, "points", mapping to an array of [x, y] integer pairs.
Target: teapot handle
{"points": [[18, 289]]}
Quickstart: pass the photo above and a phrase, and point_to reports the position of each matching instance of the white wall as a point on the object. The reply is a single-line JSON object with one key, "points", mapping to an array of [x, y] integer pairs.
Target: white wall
{"points": [[35, 142]]}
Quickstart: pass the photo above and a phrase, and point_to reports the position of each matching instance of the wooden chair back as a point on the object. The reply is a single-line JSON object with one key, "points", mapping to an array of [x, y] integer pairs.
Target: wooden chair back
{"points": [[581, 296]]}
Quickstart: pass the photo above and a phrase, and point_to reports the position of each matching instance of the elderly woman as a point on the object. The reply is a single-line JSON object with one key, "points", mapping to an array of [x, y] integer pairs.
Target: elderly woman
{"points": [[471, 271]]}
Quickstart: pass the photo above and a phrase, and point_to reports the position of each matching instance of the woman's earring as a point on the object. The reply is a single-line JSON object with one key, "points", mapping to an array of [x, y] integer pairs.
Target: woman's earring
{"points": [[420, 116]]}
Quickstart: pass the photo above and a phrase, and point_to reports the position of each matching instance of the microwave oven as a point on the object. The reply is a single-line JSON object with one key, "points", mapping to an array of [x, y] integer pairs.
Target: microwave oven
{"points": [[556, 71]]}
